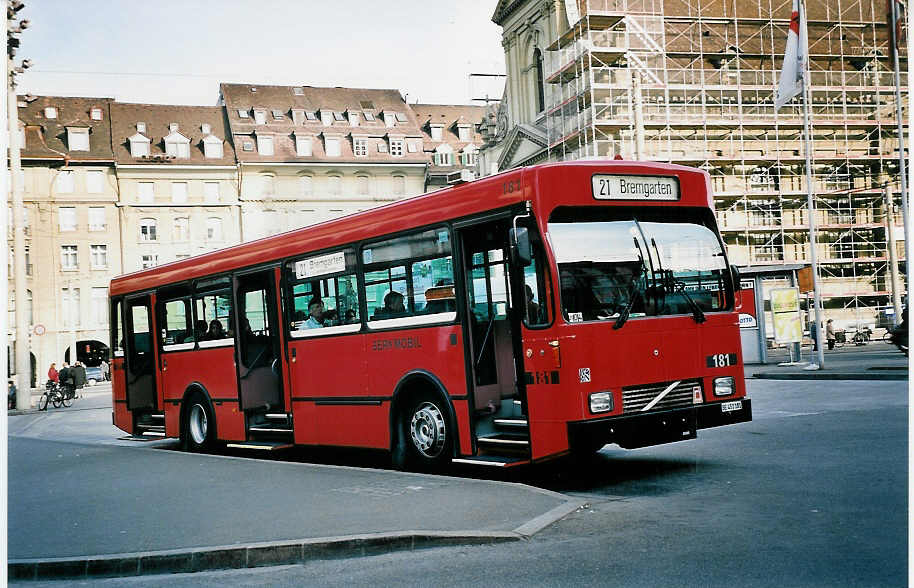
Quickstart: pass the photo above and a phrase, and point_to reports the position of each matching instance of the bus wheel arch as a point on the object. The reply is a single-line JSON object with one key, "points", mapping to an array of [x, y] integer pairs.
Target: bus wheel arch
{"points": [[422, 423], [198, 420]]}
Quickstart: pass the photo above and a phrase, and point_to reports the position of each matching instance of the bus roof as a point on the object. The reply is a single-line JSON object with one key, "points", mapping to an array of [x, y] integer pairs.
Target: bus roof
{"points": [[546, 186]]}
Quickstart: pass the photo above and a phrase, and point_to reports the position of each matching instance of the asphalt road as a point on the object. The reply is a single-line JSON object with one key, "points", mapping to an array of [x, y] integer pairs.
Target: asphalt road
{"points": [[813, 492]]}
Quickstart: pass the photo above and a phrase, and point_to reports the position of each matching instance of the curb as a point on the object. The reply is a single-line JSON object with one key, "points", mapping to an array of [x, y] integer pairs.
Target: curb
{"points": [[246, 556], [812, 375]]}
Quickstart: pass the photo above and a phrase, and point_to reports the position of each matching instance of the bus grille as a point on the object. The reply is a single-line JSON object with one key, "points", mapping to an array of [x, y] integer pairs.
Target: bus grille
{"points": [[635, 398]]}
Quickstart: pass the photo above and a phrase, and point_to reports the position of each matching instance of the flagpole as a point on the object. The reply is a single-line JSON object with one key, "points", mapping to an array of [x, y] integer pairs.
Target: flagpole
{"points": [[896, 70], [810, 199]]}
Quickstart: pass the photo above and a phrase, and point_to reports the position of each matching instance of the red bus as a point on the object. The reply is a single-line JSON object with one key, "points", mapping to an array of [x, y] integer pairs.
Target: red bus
{"points": [[520, 317]]}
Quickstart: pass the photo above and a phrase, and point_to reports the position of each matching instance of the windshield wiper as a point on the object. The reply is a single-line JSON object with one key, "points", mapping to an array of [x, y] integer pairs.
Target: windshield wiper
{"points": [[668, 280], [697, 314], [632, 291]]}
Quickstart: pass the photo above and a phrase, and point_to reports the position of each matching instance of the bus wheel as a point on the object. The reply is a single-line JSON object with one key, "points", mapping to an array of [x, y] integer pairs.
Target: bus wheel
{"points": [[427, 433], [199, 424]]}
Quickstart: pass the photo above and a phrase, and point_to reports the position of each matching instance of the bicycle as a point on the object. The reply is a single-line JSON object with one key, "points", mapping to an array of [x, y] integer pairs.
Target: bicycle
{"points": [[56, 395]]}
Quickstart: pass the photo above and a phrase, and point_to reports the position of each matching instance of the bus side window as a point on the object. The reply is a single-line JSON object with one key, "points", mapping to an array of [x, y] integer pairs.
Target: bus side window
{"points": [[212, 318], [410, 276], [537, 309], [327, 279], [117, 337], [177, 330]]}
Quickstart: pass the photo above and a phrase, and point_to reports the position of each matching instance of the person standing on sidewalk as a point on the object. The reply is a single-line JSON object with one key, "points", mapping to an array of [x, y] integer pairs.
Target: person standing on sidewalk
{"points": [[830, 334]]}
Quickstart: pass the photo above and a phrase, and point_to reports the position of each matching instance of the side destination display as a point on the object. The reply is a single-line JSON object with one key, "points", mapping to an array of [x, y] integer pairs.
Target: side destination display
{"points": [[611, 187]]}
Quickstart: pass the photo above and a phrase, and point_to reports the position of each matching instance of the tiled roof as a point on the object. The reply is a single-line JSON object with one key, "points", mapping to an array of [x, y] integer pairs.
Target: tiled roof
{"points": [[47, 137], [285, 99], [158, 117]]}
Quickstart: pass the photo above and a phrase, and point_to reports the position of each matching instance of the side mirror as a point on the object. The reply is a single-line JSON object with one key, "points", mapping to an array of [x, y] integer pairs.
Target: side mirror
{"points": [[734, 272], [521, 252]]}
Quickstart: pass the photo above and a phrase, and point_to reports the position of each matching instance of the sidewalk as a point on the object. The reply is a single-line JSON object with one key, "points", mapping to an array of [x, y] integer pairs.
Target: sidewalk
{"points": [[874, 361], [86, 510]]}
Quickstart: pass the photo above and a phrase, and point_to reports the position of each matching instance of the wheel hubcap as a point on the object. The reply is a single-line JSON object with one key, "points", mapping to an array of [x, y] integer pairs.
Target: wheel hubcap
{"points": [[427, 430], [198, 424]]}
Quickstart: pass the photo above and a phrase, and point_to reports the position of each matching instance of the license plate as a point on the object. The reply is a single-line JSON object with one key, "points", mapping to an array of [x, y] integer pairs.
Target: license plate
{"points": [[731, 406]]}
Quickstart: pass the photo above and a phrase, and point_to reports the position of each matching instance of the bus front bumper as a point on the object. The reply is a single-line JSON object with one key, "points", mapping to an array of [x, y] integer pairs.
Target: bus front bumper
{"points": [[631, 431]]}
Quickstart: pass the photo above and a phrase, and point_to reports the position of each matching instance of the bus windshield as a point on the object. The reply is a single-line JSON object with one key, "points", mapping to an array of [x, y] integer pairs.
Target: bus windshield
{"points": [[619, 261]]}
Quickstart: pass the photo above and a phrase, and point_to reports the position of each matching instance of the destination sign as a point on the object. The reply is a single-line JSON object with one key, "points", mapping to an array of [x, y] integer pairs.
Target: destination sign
{"points": [[612, 187]]}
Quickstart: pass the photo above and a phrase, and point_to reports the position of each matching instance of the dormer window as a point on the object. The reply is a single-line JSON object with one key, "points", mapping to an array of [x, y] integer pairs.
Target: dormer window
{"points": [[332, 146], [353, 118], [298, 117], [388, 119], [212, 147], [444, 155], [303, 146], [139, 145], [176, 144], [338, 116], [277, 114], [437, 131], [50, 112], [470, 155], [260, 117], [77, 138], [298, 91], [95, 113], [265, 144], [309, 115], [326, 117], [206, 129], [141, 127], [368, 115], [243, 114], [401, 117], [463, 133]]}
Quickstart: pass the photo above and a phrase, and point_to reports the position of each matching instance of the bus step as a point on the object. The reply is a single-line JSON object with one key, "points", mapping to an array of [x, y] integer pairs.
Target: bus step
{"points": [[261, 445], [497, 461], [511, 423], [269, 429], [149, 433], [140, 438], [505, 441], [276, 416], [151, 429]]}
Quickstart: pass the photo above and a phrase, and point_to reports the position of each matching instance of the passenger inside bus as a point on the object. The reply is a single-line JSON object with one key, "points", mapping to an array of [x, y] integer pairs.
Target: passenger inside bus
{"points": [[316, 319], [393, 306], [216, 331]]}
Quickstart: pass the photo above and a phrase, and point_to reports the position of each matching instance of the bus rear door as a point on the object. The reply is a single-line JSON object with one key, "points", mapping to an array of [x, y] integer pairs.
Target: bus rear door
{"points": [[140, 360]]}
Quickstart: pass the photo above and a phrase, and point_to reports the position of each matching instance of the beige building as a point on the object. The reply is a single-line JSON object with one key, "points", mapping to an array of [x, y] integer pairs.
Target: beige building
{"points": [[177, 180], [71, 225], [693, 83], [309, 154]]}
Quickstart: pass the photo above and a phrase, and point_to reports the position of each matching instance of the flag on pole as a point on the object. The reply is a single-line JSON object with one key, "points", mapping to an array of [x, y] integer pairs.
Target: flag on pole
{"points": [[794, 57]]}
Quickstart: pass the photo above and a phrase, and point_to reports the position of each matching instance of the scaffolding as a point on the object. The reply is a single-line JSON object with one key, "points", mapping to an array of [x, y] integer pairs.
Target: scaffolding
{"points": [[693, 82]]}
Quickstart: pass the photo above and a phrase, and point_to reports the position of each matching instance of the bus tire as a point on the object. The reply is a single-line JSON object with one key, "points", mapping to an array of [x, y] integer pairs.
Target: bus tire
{"points": [[426, 433], [199, 424]]}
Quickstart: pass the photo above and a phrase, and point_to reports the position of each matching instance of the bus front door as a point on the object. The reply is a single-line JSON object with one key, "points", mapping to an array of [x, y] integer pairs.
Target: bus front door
{"points": [[140, 364], [257, 341], [490, 328]]}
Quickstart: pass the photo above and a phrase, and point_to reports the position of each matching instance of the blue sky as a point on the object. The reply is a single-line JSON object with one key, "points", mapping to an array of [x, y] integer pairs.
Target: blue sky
{"points": [[177, 52]]}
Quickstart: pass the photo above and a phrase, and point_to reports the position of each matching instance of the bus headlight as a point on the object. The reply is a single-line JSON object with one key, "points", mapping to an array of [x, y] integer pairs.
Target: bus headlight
{"points": [[601, 402], [724, 386]]}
